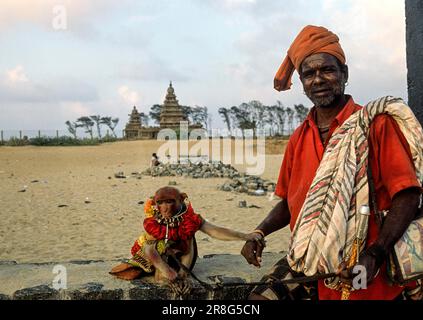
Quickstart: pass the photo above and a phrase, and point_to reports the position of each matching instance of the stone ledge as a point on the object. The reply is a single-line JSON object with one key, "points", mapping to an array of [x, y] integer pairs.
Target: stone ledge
{"points": [[89, 280]]}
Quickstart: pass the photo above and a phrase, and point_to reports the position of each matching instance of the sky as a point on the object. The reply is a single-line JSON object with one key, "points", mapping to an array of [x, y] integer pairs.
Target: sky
{"points": [[63, 59]]}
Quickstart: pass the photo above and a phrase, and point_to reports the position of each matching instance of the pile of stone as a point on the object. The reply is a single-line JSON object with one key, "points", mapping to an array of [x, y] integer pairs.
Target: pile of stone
{"points": [[204, 170], [239, 182], [251, 185]]}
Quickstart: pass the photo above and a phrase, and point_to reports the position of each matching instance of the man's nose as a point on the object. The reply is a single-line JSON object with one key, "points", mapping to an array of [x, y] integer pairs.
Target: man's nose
{"points": [[318, 78]]}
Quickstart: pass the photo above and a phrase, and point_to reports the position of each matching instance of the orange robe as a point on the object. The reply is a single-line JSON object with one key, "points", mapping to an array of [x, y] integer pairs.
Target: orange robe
{"points": [[392, 169]]}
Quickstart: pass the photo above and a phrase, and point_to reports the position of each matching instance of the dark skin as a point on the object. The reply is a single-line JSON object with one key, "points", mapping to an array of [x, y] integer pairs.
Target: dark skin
{"points": [[324, 78]]}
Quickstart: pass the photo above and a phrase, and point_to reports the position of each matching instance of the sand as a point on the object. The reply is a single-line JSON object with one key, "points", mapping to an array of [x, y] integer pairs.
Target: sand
{"points": [[34, 228]]}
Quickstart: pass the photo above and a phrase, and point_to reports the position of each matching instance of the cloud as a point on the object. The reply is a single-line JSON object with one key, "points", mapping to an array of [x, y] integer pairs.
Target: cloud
{"points": [[83, 17], [15, 87], [129, 96], [16, 75], [152, 68]]}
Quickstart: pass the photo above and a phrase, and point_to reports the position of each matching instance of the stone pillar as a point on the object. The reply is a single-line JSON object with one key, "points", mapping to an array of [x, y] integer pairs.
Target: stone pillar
{"points": [[414, 25]]}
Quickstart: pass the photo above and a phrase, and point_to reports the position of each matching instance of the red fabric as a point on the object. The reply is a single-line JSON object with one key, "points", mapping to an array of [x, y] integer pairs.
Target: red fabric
{"points": [[189, 225], [309, 41], [392, 168], [135, 248]]}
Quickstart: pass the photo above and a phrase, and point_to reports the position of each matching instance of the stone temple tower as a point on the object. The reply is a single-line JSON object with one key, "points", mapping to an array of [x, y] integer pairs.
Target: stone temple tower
{"points": [[171, 113]]}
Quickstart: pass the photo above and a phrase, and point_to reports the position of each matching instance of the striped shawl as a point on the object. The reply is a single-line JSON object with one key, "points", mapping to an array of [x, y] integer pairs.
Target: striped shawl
{"points": [[327, 225]]}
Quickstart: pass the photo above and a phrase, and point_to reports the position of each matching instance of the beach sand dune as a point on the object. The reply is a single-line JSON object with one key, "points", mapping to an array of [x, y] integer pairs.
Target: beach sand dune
{"points": [[59, 204]]}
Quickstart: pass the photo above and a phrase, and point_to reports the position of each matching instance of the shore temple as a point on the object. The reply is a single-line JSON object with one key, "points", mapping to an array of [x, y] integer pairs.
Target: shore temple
{"points": [[170, 117]]}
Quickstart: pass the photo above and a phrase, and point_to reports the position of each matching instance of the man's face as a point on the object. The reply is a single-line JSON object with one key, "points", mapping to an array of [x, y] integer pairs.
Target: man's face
{"points": [[323, 79]]}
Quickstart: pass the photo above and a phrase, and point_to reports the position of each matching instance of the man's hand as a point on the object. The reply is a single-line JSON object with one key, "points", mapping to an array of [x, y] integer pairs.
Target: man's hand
{"points": [[252, 252], [371, 259]]}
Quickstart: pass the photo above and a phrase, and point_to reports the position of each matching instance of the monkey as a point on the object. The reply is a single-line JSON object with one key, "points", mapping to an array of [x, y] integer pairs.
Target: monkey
{"points": [[170, 226]]}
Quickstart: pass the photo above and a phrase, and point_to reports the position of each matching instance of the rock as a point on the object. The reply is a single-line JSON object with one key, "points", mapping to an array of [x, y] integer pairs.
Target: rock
{"points": [[120, 175], [42, 292], [242, 204], [34, 181], [241, 189], [62, 205], [140, 202]]}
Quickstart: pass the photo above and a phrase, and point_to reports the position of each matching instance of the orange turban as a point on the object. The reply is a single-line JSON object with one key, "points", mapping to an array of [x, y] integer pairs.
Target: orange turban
{"points": [[309, 41]]}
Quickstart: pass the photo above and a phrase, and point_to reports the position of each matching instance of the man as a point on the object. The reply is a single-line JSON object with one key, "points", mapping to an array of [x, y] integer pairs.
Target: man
{"points": [[320, 61]]}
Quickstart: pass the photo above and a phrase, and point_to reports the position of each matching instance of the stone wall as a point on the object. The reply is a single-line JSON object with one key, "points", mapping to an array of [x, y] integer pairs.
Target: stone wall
{"points": [[89, 280]]}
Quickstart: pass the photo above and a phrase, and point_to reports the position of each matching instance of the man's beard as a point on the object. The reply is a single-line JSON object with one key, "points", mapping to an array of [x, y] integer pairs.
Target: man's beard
{"points": [[327, 101]]}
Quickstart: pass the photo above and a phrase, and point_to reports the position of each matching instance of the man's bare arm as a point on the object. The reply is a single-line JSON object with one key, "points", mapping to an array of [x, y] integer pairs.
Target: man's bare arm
{"points": [[402, 213], [277, 218]]}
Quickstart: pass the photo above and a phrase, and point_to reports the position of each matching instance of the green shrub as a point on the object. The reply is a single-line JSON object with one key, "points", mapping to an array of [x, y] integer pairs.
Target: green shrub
{"points": [[62, 141], [16, 142]]}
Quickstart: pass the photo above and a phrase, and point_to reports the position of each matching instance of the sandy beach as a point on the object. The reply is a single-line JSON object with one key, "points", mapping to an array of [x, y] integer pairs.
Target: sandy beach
{"points": [[35, 229]]}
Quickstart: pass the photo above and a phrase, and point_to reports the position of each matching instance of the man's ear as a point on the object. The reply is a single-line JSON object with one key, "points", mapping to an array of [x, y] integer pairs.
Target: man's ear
{"points": [[183, 196], [345, 72]]}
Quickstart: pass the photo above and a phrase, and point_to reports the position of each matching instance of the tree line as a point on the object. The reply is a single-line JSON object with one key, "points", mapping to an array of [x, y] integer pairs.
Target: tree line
{"points": [[254, 115], [89, 123], [276, 119]]}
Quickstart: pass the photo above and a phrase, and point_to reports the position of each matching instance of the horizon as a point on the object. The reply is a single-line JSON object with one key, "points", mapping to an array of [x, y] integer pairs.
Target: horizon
{"points": [[111, 56]]}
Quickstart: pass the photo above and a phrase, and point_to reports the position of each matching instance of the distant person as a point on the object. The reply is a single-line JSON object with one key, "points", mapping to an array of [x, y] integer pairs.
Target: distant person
{"points": [[154, 160]]}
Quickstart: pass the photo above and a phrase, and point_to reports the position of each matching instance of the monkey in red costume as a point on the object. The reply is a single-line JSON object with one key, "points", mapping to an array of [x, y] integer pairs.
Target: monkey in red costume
{"points": [[170, 225]]}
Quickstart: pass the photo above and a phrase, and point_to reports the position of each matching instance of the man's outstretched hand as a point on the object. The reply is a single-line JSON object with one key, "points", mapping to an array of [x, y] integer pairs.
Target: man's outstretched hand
{"points": [[252, 251]]}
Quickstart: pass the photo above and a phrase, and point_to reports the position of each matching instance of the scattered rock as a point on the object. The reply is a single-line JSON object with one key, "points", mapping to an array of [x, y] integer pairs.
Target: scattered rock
{"points": [[41, 292], [34, 181], [140, 202], [242, 204], [62, 205], [251, 185], [23, 190], [87, 200], [197, 170], [120, 175], [109, 178]]}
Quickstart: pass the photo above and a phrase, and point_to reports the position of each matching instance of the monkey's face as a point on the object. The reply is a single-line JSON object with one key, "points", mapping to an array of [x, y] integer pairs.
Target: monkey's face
{"points": [[168, 201], [168, 207]]}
